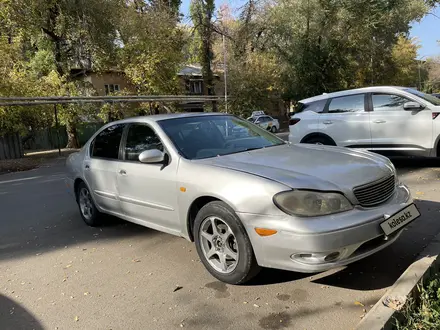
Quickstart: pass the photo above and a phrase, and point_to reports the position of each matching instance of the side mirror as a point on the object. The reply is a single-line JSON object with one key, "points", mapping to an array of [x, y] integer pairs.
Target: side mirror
{"points": [[413, 106], [151, 156]]}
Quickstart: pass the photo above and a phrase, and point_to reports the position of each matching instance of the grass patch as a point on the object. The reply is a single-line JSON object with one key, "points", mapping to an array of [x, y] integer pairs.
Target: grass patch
{"points": [[424, 312]]}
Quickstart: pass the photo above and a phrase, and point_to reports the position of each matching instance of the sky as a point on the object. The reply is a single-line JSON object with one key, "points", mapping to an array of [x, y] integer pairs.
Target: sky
{"points": [[427, 31]]}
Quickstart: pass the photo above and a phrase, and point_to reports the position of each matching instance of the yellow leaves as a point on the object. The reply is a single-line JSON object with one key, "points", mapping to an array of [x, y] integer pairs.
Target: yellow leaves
{"points": [[358, 303]]}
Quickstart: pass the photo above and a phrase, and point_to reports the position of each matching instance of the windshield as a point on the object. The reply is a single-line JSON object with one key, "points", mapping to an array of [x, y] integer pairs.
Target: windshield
{"points": [[431, 99], [211, 136]]}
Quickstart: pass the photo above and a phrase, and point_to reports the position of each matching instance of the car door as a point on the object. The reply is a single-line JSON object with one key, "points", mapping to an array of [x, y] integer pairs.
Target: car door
{"points": [[147, 192], [101, 166], [347, 121], [393, 127]]}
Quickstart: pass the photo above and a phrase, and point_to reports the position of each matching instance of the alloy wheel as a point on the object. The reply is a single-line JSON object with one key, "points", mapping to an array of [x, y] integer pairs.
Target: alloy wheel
{"points": [[219, 244]]}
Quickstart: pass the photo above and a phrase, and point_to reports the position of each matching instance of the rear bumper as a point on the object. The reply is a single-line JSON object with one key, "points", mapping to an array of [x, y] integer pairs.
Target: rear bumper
{"points": [[290, 247]]}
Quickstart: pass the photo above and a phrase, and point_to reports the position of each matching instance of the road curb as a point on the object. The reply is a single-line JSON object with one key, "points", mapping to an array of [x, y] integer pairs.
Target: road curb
{"points": [[428, 262]]}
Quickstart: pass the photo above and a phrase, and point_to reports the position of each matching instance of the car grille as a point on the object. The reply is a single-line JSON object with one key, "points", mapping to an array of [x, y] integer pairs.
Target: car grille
{"points": [[376, 192]]}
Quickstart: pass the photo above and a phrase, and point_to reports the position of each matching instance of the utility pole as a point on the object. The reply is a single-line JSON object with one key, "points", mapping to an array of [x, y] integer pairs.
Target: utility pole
{"points": [[225, 74], [57, 128]]}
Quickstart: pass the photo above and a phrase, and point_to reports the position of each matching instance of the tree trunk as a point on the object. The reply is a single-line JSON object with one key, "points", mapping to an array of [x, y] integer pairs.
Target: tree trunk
{"points": [[72, 135]]}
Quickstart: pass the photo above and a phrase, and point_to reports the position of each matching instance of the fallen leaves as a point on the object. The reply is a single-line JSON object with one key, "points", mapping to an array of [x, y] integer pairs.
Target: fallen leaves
{"points": [[76, 318], [358, 303]]}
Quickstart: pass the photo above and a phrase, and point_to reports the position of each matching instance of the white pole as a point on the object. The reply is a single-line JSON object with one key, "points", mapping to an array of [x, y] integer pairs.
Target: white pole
{"points": [[225, 74]]}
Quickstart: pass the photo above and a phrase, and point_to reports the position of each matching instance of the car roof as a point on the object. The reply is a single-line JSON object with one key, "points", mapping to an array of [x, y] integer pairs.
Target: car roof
{"points": [[156, 118], [383, 89]]}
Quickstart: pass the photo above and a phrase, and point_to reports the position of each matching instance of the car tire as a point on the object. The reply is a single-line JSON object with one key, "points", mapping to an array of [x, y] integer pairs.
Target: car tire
{"points": [[87, 208], [320, 140], [216, 249], [273, 129]]}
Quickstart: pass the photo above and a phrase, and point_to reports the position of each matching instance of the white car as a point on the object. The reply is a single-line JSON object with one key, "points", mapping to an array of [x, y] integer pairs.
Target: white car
{"points": [[391, 120], [267, 122]]}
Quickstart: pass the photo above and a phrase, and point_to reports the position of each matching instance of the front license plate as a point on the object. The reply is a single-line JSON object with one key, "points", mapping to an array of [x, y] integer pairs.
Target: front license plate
{"points": [[400, 219]]}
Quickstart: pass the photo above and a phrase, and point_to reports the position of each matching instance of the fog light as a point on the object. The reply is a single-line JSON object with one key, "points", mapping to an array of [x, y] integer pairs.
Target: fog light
{"points": [[316, 258], [332, 256]]}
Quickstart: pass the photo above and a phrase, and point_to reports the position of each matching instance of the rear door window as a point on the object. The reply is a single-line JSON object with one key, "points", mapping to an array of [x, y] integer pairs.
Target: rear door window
{"points": [[106, 143], [351, 103]]}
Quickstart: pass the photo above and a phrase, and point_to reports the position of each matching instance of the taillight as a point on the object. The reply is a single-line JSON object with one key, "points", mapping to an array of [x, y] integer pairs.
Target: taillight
{"points": [[435, 115], [293, 121]]}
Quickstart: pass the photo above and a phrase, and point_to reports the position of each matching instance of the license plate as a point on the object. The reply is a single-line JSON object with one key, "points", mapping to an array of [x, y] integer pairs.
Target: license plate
{"points": [[400, 219]]}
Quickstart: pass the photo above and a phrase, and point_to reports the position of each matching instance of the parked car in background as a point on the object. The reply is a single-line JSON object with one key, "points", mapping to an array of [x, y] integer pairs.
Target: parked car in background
{"points": [[247, 202], [267, 122], [391, 120], [437, 95]]}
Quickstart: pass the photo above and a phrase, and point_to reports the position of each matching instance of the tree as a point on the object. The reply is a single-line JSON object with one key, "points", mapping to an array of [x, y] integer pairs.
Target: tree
{"points": [[78, 33], [152, 50], [202, 12], [405, 65]]}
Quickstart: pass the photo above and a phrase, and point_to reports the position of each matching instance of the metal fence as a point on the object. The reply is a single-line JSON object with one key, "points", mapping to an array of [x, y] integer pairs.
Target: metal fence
{"points": [[11, 147]]}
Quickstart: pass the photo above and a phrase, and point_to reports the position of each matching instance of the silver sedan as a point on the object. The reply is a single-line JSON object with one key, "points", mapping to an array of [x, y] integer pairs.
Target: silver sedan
{"points": [[245, 197]]}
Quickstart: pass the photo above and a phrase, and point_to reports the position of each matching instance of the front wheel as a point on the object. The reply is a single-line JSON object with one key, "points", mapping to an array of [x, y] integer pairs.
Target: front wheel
{"points": [[223, 245], [273, 129]]}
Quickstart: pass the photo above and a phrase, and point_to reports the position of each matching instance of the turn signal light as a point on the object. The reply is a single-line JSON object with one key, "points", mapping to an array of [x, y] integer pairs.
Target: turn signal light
{"points": [[293, 121], [265, 231], [435, 115]]}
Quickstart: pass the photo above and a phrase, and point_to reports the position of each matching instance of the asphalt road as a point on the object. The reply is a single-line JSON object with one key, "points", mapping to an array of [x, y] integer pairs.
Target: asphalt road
{"points": [[57, 273]]}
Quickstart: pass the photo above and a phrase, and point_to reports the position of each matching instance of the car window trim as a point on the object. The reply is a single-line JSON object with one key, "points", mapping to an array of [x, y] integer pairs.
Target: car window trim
{"points": [[327, 105], [92, 144], [124, 141]]}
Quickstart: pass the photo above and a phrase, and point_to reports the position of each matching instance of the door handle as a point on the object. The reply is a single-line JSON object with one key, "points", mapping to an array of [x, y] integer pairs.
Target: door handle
{"points": [[379, 121], [327, 122], [122, 172]]}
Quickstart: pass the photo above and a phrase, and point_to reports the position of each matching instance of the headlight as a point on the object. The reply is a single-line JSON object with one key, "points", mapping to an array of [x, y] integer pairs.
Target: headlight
{"points": [[311, 203]]}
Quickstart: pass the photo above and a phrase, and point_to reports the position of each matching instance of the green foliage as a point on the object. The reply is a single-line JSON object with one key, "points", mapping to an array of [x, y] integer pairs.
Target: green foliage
{"points": [[425, 314], [152, 51]]}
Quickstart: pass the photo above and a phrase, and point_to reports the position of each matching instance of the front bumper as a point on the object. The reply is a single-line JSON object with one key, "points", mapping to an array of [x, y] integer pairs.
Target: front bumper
{"points": [[302, 244]]}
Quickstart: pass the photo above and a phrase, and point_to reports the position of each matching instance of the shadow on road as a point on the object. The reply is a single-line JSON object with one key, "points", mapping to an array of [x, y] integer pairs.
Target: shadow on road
{"points": [[36, 240], [409, 164], [14, 317]]}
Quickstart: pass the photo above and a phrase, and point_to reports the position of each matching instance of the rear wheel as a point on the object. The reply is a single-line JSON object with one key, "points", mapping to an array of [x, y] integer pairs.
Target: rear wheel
{"points": [[320, 140], [273, 129], [223, 245], [89, 212]]}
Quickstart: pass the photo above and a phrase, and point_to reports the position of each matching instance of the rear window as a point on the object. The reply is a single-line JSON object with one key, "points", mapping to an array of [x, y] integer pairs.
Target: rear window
{"points": [[317, 106]]}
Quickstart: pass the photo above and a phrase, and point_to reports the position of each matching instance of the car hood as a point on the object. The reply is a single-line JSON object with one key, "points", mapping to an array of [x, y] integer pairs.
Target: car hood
{"points": [[308, 166]]}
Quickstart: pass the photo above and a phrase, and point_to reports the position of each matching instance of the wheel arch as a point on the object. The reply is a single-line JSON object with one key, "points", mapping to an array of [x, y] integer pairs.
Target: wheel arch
{"points": [[436, 148], [76, 185], [194, 209], [317, 134]]}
